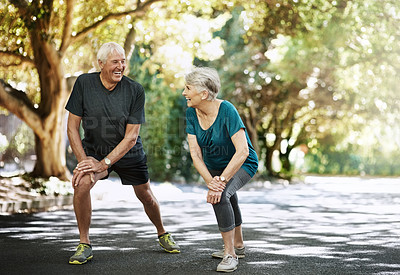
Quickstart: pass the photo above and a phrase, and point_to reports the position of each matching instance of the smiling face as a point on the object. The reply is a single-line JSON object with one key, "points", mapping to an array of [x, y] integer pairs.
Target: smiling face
{"points": [[113, 69], [193, 96]]}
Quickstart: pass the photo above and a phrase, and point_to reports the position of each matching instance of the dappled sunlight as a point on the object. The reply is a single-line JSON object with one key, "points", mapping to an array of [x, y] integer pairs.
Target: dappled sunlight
{"points": [[332, 216], [280, 223], [355, 184], [113, 248], [270, 264], [302, 251]]}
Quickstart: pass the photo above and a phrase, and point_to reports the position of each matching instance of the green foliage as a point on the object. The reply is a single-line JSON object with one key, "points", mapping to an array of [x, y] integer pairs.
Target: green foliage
{"points": [[180, 161], [332, 155], [333, 162], [347, 162], [24, 140], [21, 144], [299, 72], [305, 70], [163, 134]]}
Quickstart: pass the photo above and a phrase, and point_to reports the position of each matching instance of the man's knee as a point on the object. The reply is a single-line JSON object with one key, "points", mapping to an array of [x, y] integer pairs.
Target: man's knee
{"points": [[144, 194], [84, 186]]}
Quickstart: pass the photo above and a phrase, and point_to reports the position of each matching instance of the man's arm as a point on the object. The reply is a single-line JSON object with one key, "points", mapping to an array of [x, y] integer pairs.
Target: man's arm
{"points": [[74, 136], [75, 141], [129, 140]]}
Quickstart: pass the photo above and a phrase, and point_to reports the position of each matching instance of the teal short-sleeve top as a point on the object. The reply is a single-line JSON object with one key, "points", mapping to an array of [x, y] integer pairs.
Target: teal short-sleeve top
{"points": [[216, 143]]}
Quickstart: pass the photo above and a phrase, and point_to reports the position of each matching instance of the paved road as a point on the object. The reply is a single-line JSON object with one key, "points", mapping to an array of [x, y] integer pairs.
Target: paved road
{"points": [[333, 226]]}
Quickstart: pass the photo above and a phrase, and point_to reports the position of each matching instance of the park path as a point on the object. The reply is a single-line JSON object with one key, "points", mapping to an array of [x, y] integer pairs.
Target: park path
{"points": [[323, 226]]}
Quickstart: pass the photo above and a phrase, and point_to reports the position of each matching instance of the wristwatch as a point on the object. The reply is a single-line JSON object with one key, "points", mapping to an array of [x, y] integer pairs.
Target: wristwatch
{"points": [[107, 162], [222, 178]]}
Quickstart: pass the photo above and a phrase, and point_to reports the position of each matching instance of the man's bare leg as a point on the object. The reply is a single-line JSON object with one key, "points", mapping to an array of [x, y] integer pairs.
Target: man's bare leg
{"points": [[83, 208], [151, 205], [152, 209], [83, 204]]}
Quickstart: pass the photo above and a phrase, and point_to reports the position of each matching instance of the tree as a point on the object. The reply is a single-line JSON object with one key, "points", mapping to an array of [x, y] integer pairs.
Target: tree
{"points": [[260, 73], [46, 44], [36, 36], [163, 133], [366, 74], [299, 71]]}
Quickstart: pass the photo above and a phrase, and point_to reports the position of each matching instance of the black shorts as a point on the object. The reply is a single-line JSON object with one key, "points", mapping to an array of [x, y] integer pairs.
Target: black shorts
{"points": [[130, 170]]}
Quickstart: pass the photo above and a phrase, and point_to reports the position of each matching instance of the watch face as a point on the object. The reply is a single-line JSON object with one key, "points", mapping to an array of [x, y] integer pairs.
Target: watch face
{"points": [[107, 161]]}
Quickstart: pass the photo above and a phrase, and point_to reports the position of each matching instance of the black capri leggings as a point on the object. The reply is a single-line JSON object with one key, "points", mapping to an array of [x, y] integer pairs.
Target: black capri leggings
{"points": [[227, 211]]}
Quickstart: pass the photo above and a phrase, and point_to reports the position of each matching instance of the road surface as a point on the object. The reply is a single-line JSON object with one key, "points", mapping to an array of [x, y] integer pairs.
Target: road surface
{"points": [[324, 226]]}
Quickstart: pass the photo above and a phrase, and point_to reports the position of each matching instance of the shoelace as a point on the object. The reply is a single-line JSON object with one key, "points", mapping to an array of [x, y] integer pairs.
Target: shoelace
{"points": [[169, 241], [227, 259], [81, 248]]}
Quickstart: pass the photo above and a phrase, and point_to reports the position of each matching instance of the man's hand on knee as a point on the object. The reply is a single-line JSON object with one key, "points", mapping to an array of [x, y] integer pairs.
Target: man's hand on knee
{"points": [[90, 164], [99, 176], [79, 178]]}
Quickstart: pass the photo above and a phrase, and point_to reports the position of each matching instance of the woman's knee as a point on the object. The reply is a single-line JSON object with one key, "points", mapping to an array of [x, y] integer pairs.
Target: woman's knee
{"points": [[225, 198]]}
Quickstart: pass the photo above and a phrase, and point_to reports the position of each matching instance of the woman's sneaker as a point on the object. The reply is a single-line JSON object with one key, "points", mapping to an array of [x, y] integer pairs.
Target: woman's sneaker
{"points": [[228, 264], [240, 253], [82, 255]]}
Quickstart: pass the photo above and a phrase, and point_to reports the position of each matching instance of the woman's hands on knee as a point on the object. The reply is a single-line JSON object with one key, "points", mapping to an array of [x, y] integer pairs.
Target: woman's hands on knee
{"points": [[216, 184], [213, 197]]}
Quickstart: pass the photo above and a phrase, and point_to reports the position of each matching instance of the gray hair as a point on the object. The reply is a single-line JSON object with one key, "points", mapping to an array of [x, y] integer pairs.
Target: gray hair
{"points": [[108, 48], [204, 78]]}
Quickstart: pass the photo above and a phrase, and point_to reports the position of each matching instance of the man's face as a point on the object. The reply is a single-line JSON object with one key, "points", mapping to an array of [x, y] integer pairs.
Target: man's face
{"points": [[113, 70]]}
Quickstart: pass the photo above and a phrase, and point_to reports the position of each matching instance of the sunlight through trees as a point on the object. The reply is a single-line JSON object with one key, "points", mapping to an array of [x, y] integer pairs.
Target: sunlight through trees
{"points": [[315, 81]]}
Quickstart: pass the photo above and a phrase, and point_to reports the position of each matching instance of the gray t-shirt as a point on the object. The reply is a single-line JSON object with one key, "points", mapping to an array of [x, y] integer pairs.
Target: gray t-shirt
{"points": [[105, 114]]}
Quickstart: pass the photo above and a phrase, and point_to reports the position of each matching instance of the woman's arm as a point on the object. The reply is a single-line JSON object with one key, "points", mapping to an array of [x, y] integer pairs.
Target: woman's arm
{"points": [[242, 152], [197, 157], [198, 162]]}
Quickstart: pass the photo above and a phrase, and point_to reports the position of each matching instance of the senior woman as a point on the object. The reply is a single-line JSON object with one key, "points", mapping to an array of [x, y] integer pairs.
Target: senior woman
{"points": [[223, 155]]}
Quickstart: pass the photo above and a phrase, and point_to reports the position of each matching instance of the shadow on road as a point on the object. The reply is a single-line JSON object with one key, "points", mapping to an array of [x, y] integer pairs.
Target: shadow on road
{"points": [[313, 228]]}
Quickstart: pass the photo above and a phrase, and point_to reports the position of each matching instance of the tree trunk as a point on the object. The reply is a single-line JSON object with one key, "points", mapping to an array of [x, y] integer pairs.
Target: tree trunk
{"points": [[51, 141], [284, 158], [268, 160], [251, 128], [50, 138], [50, 152]]}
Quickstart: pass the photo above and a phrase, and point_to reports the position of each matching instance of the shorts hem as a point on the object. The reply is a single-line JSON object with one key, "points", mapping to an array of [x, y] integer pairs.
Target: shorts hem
{"points": [[135, 183]]}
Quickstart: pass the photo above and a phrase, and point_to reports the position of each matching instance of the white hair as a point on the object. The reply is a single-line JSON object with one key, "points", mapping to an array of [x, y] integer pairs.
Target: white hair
{"points": [[205, 78], [108, 48]]}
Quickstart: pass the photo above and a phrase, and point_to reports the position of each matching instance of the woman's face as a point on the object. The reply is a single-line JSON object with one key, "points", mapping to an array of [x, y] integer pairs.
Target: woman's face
{"points": [[192, 95]]}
